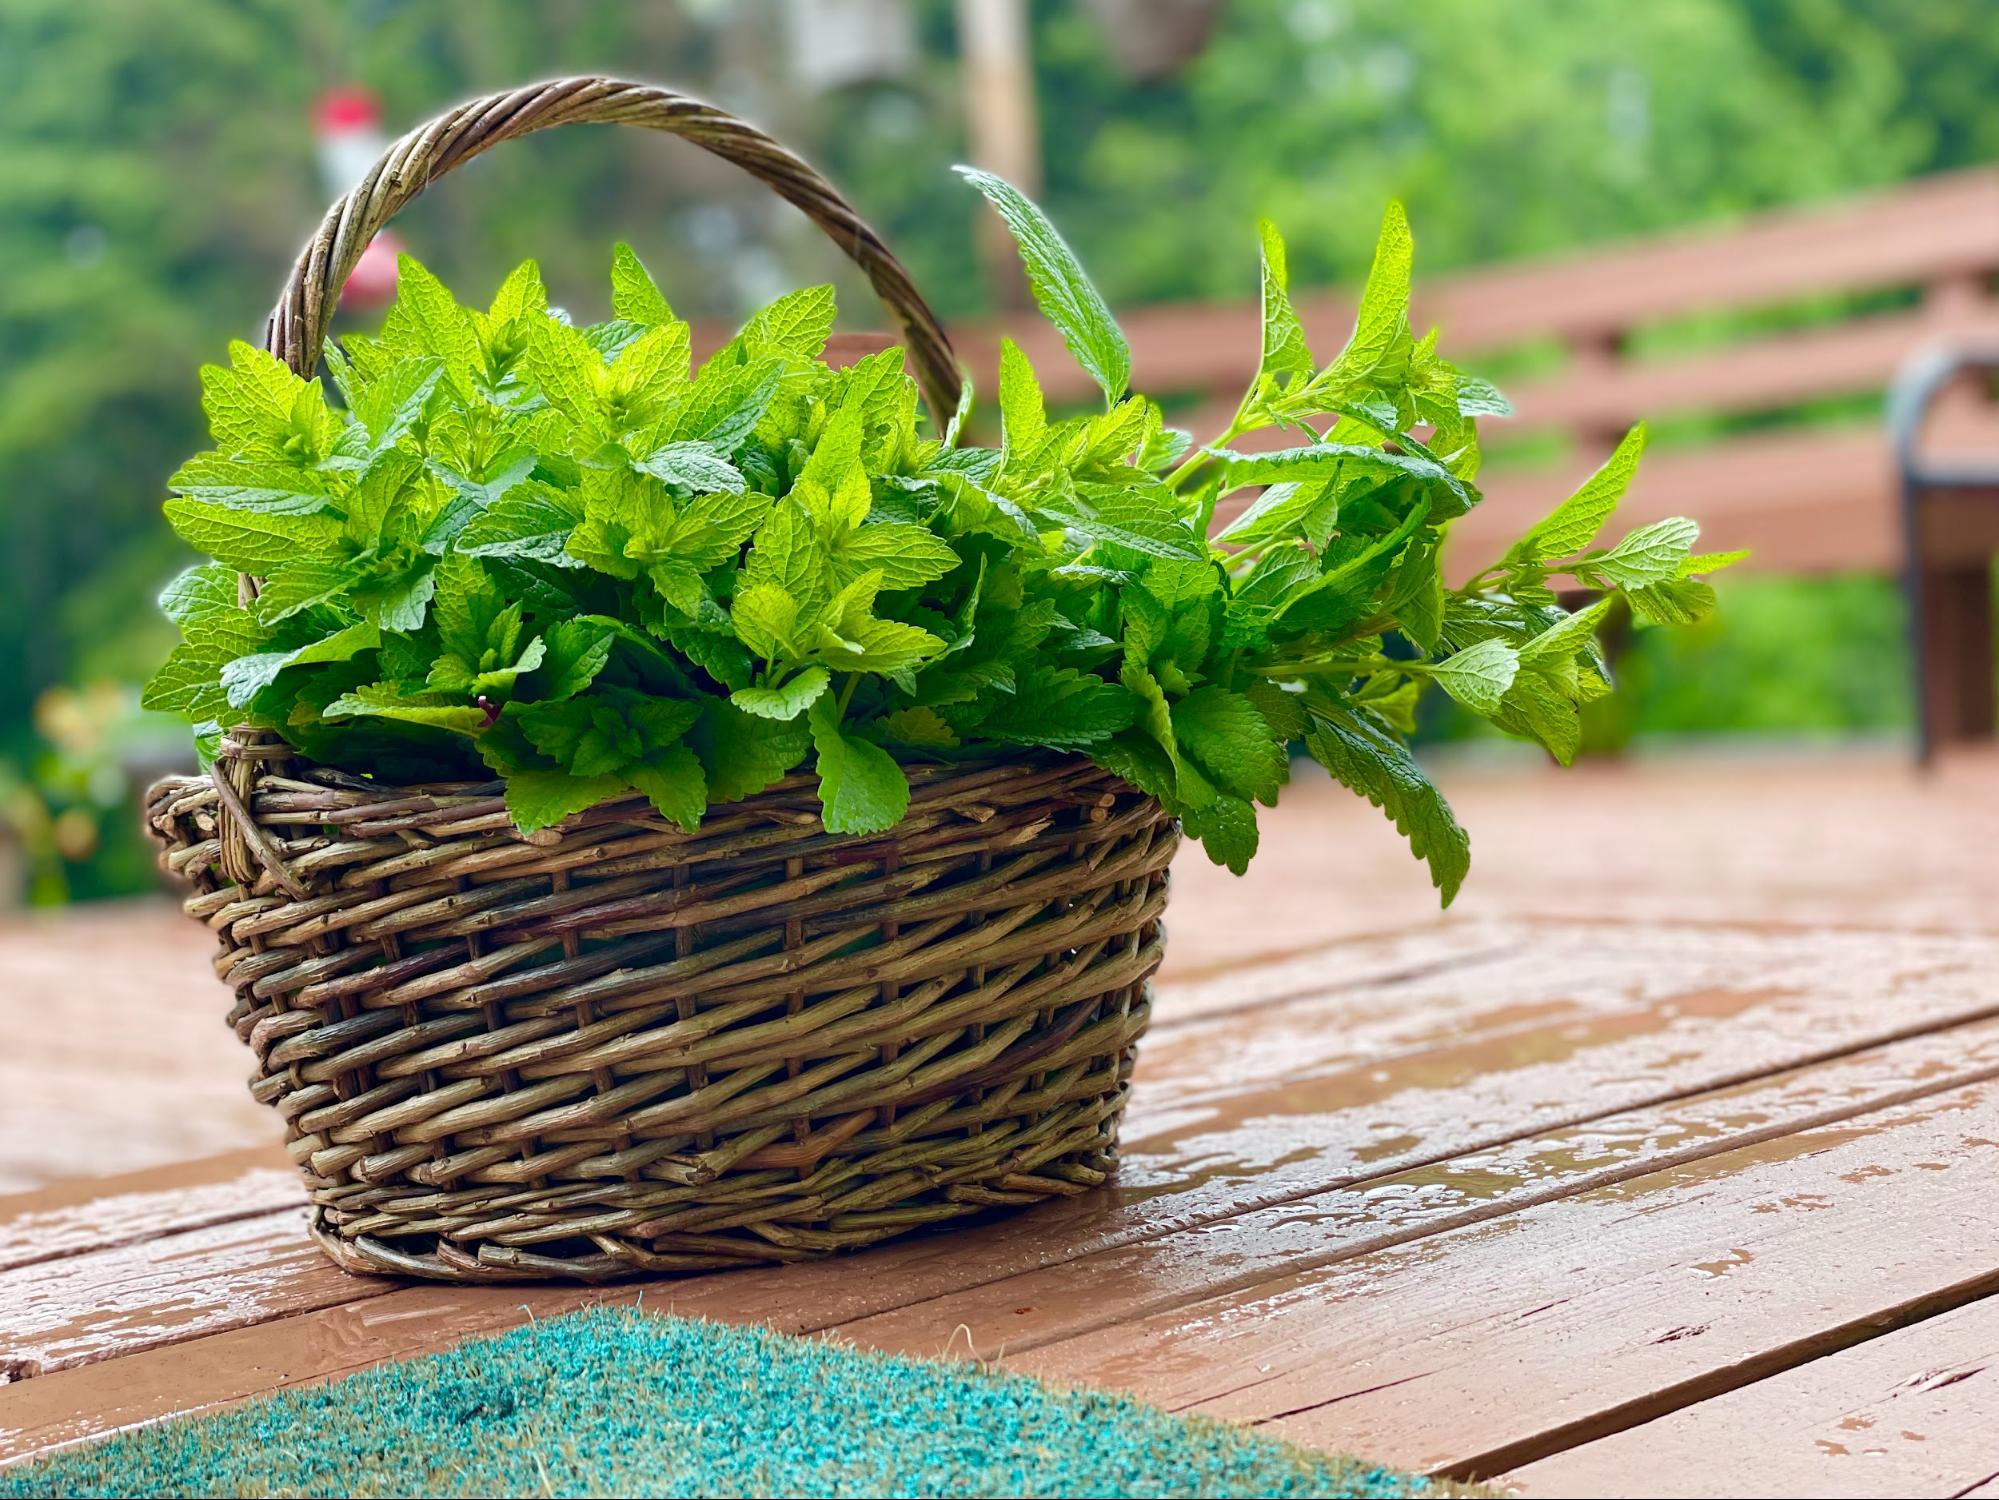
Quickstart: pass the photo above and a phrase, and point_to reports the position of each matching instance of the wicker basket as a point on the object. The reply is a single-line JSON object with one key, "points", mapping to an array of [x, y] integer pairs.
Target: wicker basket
{"points": [[614, 1046]]}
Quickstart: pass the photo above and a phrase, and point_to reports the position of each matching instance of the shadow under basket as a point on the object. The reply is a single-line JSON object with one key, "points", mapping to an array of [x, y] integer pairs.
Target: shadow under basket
{"points": [[617, 1047]]}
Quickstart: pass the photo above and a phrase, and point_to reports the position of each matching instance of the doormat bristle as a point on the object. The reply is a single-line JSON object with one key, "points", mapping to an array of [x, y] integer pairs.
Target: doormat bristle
{"points": [[613, 1402]]}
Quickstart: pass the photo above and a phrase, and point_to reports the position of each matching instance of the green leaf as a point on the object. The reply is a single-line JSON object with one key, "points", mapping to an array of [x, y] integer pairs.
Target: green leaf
{"points": [[1672, 601], [1365, 757], [521, 295], [576, 651], [1284, 351], [787, 701], [1479, 676], [1061, 709], [1066, 296], [1123, 518], [531, 521], [1381, 346], [252, 542], [795, 327], [693, 467], [673, 781], [1651, 554], [395, 403], [765, 615], [1308, 509], [861, 788], [427, 320], [541, 799], [1023, 412], [1573, 525], [919, 726], [1232, 742], [1334, 461], [252, 484], [247, 676], [384, 700], [1225, 829], [906, 556], [744, 754], [634, 295]]}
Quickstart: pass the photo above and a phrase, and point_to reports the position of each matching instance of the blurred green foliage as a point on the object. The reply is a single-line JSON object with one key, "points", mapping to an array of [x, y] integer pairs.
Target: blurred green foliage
{"points": [[157, 173]]}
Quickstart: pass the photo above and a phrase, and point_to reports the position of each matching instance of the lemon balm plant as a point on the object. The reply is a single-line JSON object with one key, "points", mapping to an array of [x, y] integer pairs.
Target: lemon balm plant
{"points": [[567, 555], [664, 814]]}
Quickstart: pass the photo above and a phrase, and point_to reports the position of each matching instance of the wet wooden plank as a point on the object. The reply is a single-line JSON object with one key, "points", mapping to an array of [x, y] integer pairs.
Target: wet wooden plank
{"points": [[1235, 1113], [311, 1344], [1155, 1276], [1485, 1348], [75, 1309], [1909, 1413], [95, 1213]]}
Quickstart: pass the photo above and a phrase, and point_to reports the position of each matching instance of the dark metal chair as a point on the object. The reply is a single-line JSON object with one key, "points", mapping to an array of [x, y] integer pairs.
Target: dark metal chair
{"points": [[1950, 527]]}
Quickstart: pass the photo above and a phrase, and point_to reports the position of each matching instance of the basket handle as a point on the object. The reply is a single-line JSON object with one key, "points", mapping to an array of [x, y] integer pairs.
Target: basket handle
{"points": [[298, 324]]}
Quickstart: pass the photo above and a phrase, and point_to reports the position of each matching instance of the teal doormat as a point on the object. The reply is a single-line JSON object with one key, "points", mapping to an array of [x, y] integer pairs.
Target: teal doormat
{"points": [[619, 1403]]}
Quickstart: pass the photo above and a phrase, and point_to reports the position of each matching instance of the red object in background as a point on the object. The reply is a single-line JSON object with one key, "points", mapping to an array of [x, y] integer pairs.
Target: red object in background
{"points": [[372, 282], [347, 124]]}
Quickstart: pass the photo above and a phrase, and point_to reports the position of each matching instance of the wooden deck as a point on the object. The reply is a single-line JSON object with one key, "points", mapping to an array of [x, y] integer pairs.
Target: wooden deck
{"points": [[1668, 1166]]}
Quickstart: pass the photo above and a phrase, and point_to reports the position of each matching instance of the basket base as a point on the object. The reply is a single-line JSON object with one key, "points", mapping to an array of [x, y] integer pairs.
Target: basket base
{"points": [[607, 1257]]}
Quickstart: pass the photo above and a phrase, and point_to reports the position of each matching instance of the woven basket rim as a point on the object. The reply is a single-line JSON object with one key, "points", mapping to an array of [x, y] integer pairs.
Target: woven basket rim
{"points": [[925, 774]]}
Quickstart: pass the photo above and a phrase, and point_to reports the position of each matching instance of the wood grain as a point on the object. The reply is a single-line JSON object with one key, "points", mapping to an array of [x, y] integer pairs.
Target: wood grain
{"points": [[1234, 1112], [1907, 1413], [1479, 1350], [1181, 1269]]}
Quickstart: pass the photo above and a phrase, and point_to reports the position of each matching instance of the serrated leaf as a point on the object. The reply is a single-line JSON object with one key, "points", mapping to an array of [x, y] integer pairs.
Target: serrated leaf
{"points": [[1225, 829], [427, 320], [744, 754], [693, 467], [251, 541], [634, 295], [1380, 346], [521, 295], [1573, 525], [1284, 351], [1308, 509], [1365, 757], [1023, 411], [1333, 461], [1651, 554], [530, 521], [252, 484], [1066, 296], [906, 556], [795, 326], [920, 726], [384, 700], [1060, 708], [785, 701], [674, 782], [541, 799], [1479, 676], [861, 788], [247, 676], [1232, 742], [389, 407]]}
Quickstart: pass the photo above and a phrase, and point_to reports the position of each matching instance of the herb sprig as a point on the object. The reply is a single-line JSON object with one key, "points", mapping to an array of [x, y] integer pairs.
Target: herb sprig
{"points": [[566, 556]]}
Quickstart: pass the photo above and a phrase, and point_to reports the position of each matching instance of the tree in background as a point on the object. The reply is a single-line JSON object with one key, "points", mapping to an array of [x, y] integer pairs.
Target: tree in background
{"points": [[156, 175]]}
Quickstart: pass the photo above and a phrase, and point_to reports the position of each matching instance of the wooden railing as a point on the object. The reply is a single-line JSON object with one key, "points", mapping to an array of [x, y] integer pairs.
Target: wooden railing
{"points": [[1817, 499]]}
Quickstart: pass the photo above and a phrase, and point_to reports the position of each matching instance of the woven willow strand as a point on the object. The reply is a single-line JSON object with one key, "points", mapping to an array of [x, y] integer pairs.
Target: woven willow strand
{"points": [[297, 325], [620, 1047]]}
